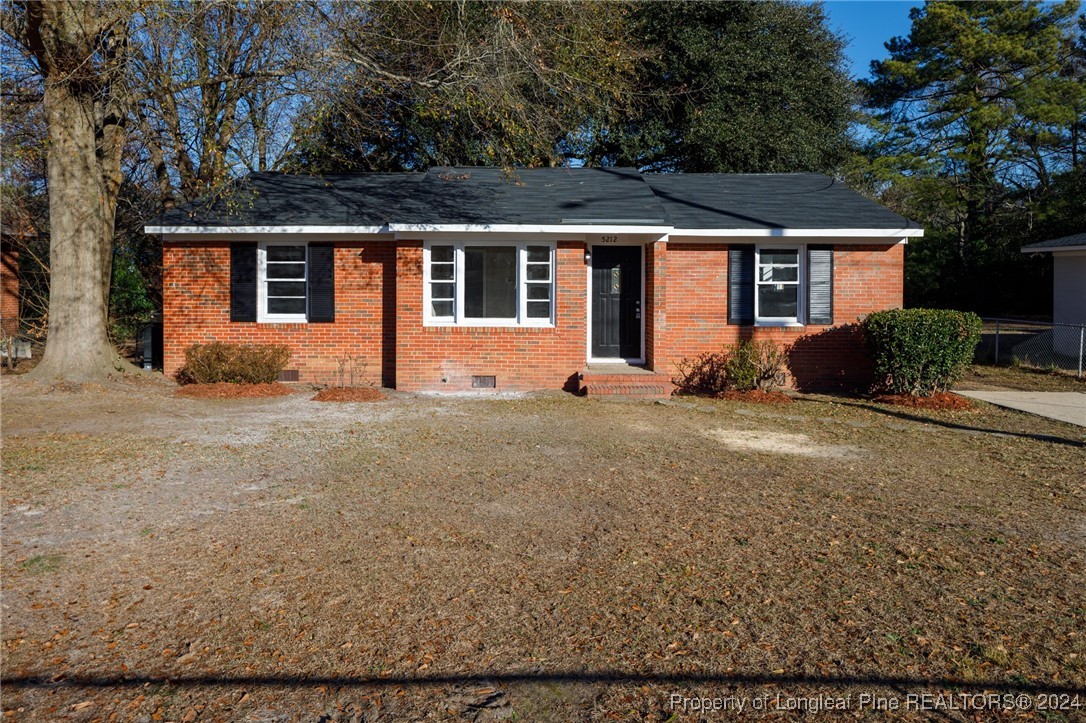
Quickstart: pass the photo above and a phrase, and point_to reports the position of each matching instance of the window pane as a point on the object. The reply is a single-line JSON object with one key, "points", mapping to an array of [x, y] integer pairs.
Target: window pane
{"points": [[785, 256], [490, 282], [443, 291], [441, 272], [539, 253], [286, 306], [778, 301], [778, 273], [286, 288], [539, 272], [286, 271], [441, 253], [539, 309], [286, 253], [442, 308], [537, 292]]}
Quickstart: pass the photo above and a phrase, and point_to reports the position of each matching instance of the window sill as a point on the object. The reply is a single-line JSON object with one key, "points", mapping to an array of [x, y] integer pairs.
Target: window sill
{"points": [[282, 321], [779, 324], [484, 325]]}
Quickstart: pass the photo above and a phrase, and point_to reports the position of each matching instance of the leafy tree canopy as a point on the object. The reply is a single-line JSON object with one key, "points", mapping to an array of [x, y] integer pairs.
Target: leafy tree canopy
{"points": [[733, 87]]}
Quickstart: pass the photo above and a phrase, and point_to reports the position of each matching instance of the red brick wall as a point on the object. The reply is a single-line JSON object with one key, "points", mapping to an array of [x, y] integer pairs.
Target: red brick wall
{"points": [[445, 358], [9, 290], [196, 309], [866, 278], [379, 318]]}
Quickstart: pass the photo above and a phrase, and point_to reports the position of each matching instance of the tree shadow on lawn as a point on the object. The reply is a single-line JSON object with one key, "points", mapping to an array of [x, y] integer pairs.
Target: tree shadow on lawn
{"points": [[598, 677], [859, 403]]}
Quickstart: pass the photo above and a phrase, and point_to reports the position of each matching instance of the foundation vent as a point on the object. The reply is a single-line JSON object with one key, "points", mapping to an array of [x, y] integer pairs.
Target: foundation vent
{"points": [[288, 375], [484, 382]]}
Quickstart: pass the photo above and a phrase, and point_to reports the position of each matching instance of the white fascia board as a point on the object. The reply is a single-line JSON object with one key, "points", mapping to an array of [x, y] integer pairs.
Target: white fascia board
{"points": [[555, 228], [867, 233], [1052, 249], [293, 230]]}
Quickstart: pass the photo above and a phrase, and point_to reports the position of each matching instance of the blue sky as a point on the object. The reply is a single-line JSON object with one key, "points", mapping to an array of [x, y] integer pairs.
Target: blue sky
{"points": [[867, 24]]}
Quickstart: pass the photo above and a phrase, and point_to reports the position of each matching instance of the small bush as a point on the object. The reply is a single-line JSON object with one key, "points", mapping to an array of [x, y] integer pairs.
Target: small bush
{"points": [[742, 367], [233, 363], [920, 351], [704, 374]]}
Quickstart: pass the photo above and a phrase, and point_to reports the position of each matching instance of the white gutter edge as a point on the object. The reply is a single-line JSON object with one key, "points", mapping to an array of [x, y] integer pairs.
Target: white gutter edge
{"points": [[808, 232], [543, 228], [195, 230], [570, 228]]}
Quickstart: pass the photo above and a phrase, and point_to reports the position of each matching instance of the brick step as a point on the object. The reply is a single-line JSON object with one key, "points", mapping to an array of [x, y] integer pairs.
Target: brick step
{"points": [[639, 385], [643, 391]]}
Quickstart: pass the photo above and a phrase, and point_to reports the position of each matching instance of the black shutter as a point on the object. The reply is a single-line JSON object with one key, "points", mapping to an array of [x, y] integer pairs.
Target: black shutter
{"points": [[243, 282], [321, 273], [820, 285], [740, 284]]}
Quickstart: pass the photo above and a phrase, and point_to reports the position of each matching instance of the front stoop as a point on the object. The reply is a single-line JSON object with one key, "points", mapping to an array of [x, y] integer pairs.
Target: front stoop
{"points": [[624, 382]]}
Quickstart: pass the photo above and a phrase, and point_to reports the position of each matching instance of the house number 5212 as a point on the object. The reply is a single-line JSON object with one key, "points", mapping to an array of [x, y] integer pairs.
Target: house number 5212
{"points": [[609, 239]]}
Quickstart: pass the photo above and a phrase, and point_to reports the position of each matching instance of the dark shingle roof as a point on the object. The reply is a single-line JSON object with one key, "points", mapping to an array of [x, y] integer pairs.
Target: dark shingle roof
{"points": [[768, 200], [1078, 239], [539, 196]]}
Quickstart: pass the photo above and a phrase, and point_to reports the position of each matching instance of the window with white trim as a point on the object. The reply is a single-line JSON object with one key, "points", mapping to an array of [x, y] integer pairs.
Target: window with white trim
{"points": [[281, 282], [777, 292], [489, 284]]}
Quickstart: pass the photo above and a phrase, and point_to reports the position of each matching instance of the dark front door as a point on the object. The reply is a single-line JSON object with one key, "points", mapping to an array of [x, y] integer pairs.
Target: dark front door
{"points": [[616, 302]]}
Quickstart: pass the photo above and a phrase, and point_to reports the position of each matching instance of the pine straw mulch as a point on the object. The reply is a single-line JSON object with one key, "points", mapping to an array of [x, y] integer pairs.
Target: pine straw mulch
{"points": [[228, 390], [755, 396], [349, 394], [941, 400]]}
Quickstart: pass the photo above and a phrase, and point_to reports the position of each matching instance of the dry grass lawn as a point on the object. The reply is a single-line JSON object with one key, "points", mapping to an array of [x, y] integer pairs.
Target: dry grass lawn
{"points": [[536, 558]]}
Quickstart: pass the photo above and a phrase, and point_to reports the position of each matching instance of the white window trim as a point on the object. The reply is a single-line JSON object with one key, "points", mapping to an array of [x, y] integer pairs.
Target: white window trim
{"points": [[801, 286], [262, 315], [459, 319]]}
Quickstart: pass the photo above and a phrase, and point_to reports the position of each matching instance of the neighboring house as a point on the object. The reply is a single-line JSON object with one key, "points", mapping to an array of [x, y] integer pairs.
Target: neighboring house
{"points": [[1068, 287], [530, 279], [9, 283]]}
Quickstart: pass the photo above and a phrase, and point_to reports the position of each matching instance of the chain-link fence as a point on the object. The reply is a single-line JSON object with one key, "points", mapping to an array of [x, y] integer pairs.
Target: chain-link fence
{"points": [[1035, 343]]}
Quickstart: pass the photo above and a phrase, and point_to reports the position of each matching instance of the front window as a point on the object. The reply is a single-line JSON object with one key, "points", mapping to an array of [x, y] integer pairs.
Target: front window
{"points": [[489, 285], [283, 282], [490, 282], [776, 292]]}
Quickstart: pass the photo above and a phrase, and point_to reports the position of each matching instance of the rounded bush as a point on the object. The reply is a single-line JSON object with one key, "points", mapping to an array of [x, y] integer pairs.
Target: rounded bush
{"points": [[920, 351]]}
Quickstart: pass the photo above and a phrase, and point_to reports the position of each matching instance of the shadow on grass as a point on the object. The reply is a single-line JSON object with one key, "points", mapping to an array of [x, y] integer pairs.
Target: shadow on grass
{"points": [[600, 677], [871, 407]]}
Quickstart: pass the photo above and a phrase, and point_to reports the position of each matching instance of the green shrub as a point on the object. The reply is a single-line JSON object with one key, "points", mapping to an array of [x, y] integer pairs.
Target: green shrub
{"points": [[234, 363], [920, 351], [743, 366]]}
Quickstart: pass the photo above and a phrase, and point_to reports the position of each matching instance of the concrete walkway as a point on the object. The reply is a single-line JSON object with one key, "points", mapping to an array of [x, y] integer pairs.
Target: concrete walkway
{"points": [[1062, 406]]}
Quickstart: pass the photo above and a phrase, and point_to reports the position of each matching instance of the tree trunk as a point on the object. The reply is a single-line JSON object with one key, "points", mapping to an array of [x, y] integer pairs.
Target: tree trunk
{"points": [[81, 240]]}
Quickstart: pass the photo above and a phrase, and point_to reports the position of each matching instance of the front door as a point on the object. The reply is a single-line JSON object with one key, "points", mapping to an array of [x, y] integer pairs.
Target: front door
{"points": [[616, 302]]}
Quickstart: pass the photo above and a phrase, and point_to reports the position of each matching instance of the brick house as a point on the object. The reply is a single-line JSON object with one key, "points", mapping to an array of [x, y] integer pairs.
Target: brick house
{"points": [[9, 285], [599, 279]]}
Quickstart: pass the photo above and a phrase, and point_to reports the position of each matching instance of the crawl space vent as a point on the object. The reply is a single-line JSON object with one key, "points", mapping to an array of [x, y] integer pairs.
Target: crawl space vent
{"points": [[478, 382], [288, 375]]}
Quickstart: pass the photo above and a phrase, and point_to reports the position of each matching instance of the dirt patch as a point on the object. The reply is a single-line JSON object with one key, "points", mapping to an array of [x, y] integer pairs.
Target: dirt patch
{"points": [[226, 390], [779, 443], [349, 394], [756, 396], [942, 400]]}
